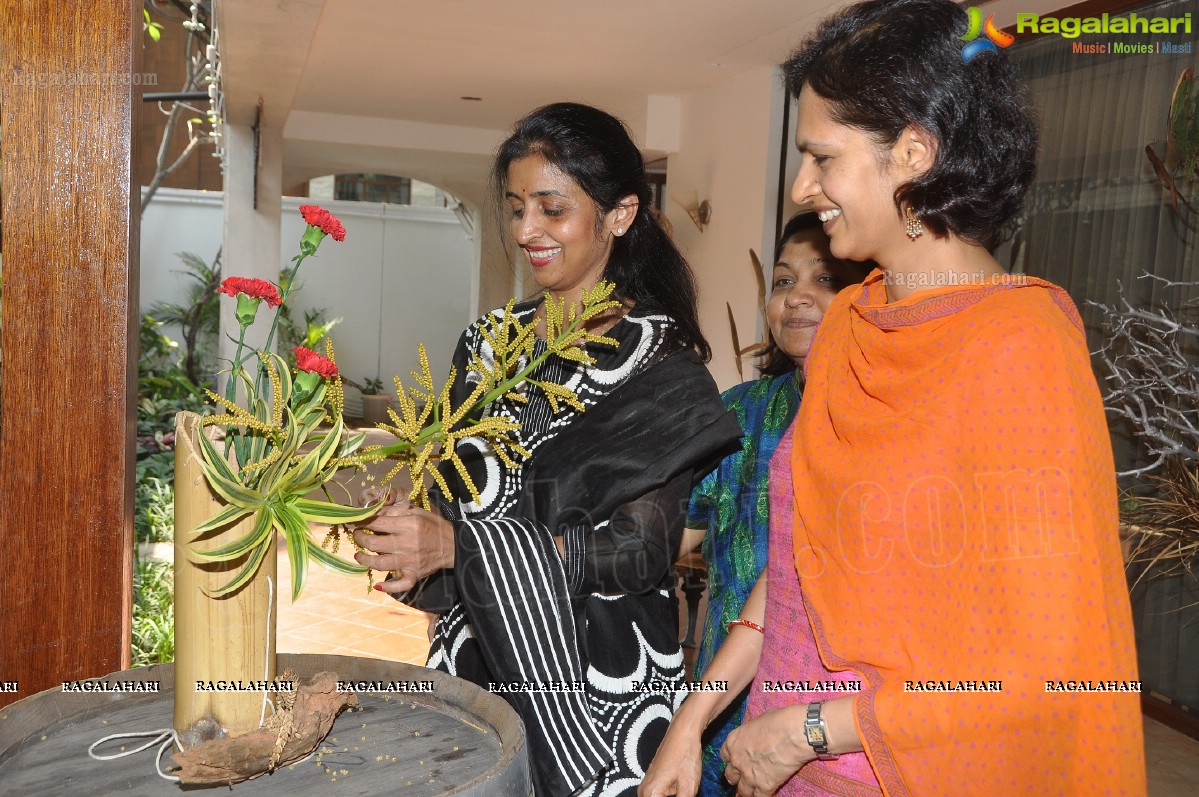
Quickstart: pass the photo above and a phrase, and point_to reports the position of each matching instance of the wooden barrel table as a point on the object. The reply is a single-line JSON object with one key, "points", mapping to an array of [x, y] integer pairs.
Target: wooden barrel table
{"points": [[453, 738]]}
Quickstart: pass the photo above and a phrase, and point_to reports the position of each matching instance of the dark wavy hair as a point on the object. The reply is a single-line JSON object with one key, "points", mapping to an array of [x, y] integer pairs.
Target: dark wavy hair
{"points": [[773, 361], [594, 149], [885, 64]]}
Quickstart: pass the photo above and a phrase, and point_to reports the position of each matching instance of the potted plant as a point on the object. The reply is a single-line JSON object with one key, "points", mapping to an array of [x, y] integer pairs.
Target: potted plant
{"points": [[375, 402]]}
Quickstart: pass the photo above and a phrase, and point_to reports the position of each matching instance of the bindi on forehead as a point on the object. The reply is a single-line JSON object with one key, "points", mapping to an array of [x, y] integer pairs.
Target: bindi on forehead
{"points": [[545, 182], [541, 192]]}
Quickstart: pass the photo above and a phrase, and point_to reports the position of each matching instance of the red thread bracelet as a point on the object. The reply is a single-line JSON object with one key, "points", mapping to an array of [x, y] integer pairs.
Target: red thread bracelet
{"points": [[747, 624]]}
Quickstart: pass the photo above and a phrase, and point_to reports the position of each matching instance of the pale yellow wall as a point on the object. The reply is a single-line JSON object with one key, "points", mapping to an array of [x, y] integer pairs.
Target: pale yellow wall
{"points": [[729, 143]]}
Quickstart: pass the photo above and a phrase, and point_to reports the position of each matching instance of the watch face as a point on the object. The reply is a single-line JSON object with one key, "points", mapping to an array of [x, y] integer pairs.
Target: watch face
{"points": [[815, 735]]}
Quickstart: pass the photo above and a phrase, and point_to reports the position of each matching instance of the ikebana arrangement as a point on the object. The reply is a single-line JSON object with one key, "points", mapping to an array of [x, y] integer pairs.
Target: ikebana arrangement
{"points": [[248, 473]]}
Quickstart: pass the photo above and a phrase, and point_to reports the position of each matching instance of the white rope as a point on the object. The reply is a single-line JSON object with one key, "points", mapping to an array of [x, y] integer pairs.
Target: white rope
{"points": [[165, 735], [266, 665]]}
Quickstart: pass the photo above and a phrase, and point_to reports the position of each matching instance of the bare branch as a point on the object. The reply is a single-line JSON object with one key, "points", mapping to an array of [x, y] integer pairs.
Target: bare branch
{"points": [[194, 55], [1151, 374]]}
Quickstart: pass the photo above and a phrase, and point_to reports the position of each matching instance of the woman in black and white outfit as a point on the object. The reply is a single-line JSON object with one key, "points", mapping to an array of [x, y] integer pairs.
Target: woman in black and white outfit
{"points": [[561, 574]]}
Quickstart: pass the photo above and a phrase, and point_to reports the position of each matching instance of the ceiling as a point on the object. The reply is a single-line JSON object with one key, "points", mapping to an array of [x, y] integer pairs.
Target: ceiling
{"points": [[415, 60], [377, 85], [376, 61]]}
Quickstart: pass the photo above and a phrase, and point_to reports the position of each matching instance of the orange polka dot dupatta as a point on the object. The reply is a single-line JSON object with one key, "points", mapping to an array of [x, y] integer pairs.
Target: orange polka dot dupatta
{"points": [[956, 541]]}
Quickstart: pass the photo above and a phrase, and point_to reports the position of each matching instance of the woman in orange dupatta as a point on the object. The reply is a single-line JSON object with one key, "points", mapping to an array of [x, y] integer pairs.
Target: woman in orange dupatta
{"points": [[955, 518]]}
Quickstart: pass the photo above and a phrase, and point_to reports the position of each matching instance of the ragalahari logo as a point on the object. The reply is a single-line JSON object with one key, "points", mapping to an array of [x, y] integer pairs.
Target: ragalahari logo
{"points": [[994, 36]]}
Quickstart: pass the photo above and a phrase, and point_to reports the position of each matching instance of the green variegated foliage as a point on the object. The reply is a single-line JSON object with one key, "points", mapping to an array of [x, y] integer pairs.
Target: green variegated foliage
{"points": [[292, 455]]}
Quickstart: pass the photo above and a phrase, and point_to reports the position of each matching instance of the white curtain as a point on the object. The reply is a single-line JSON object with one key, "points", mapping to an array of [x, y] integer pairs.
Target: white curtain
{"points": [[1097, 217]]}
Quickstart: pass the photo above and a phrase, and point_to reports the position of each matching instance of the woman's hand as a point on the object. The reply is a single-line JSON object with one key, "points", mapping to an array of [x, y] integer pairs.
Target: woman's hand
{"points": [[763, 753], [677, 765], [409, 542]]}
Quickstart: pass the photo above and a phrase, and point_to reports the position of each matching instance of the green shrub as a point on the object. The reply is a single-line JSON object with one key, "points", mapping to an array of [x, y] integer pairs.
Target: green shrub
{"points": [[154, 500], [163, 390], [198, 319], [153, 613]]}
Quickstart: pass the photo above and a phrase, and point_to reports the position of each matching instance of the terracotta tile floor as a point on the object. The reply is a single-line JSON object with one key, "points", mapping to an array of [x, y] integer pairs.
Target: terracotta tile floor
{"points": [[338, 614]]}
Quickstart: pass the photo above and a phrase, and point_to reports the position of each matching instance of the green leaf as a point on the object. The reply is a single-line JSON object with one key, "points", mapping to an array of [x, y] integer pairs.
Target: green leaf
{"points": [[243, 575], [154, 29], [308, 402], [335, 563], [232, 491], [332, 441], [295, 533], [296, 478], [305, 475], [229, 514], [284, 376], [309, 422], [260, 535], [258, 440], [291, 442], [261, 411], [332, 514], [214, 459], [352, 444]]}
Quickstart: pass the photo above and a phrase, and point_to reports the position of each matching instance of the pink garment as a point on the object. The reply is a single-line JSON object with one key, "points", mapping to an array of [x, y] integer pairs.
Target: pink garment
{"points": [[789, 652]]}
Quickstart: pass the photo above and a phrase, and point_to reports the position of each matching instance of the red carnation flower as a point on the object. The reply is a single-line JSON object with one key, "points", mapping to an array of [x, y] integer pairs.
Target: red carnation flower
{"points": [[254, 288], [326, 222], [308, 360]]}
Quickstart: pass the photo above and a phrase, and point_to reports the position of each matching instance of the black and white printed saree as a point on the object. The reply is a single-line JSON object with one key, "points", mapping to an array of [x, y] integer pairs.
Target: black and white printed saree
{"points": [[613, 483]]}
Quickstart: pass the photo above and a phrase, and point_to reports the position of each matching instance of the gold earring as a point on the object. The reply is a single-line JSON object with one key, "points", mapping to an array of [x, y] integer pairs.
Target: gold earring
{"points": [[913, 227]]}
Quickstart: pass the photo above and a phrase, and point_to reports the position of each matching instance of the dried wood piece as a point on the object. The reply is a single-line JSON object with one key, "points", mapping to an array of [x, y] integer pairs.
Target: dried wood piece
{"points": [[284, 741]]}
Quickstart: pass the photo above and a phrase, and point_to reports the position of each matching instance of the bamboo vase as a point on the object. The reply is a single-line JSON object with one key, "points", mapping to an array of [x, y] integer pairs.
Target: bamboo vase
{"points": [[229, 639]]}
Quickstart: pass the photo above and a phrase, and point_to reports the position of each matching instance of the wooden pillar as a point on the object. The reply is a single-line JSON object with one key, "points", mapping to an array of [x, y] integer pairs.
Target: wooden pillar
{"points": [[69, 325]]}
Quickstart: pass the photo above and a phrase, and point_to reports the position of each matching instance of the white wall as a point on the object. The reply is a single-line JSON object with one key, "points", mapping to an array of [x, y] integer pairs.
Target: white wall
{"points": [[177, 221], [403, 275], [729, 145]]}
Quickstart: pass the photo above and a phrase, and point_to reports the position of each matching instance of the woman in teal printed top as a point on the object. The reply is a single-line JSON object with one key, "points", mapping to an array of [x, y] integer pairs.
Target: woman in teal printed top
{"points": [[729, 507]]}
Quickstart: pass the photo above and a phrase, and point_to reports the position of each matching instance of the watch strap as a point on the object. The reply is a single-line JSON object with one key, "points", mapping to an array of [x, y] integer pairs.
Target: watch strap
{"points": [[816, 732]]}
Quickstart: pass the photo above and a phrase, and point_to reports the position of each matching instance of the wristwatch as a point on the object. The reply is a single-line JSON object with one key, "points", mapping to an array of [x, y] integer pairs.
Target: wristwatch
{"points": [[817, 732]]}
